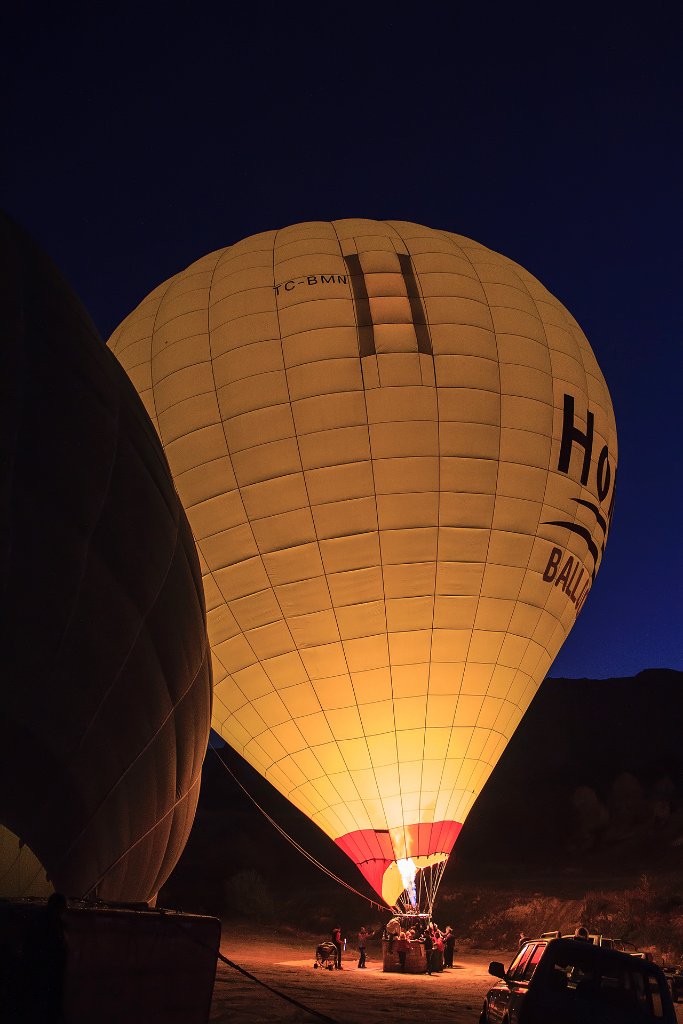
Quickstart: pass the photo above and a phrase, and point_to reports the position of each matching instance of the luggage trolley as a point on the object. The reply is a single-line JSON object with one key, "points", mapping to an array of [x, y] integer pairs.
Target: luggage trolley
{"points": [[325, 955]]}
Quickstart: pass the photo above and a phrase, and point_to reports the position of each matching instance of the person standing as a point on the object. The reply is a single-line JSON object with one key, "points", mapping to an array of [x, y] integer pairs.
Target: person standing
{"points": [[393, 930], [437, 951], [337, 939], [403, 947], [448, 947], [363, 936], [429, 945]]}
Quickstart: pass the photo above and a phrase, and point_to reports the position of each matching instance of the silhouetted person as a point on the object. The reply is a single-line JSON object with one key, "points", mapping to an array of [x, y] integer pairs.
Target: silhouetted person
{"points": [[363, 936], [429, 945], [44, 964], [403, 947], [337, 939]]}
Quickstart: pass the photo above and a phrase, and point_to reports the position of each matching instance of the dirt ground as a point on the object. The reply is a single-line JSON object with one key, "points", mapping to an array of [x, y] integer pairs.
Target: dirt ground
{"points": [[348, 997]]}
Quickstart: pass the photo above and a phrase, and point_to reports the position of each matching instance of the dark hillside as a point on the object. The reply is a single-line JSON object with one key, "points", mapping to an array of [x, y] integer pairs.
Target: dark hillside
{"points": [[594, 765]]}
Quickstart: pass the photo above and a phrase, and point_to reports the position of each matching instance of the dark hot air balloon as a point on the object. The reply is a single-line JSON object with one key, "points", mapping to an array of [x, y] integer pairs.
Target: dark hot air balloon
{"points": [[105, 694]]}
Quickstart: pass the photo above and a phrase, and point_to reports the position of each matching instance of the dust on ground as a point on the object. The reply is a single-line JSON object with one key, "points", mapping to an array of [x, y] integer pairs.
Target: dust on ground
{"points": [[349, 996]]}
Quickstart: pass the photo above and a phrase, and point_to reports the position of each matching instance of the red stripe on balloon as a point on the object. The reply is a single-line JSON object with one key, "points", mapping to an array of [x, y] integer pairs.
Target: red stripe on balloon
{"points": [[372, 851]]}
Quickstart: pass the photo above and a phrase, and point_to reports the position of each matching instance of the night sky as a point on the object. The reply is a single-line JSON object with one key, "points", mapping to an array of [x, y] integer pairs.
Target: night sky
{"points": [[139, 140]]}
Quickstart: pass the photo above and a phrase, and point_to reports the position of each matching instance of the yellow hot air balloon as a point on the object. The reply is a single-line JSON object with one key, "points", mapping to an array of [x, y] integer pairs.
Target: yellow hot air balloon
{"points": [[397, 454]]}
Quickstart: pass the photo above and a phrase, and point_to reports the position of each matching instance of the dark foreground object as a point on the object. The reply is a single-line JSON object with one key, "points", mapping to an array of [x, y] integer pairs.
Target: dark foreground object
{"points": [[105, 692], [568, 981], [120, 965]]}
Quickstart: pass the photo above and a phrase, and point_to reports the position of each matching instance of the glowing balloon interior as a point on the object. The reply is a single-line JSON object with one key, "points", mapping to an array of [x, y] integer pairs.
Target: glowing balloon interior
{"points": [[397, 454]]}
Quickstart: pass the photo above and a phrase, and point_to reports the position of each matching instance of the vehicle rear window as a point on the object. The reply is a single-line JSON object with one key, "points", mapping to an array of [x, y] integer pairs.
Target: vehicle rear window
{"points": [[601, 979]]}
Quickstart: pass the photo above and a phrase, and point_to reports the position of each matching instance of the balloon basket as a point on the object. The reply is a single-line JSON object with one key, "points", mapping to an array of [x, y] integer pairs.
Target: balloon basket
{"points": [[122, 964], [415, 958]]}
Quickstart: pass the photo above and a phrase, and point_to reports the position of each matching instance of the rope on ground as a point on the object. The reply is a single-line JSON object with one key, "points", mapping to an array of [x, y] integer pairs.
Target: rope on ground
{"points": [[309, 856], [241, 970], [282, 995]]}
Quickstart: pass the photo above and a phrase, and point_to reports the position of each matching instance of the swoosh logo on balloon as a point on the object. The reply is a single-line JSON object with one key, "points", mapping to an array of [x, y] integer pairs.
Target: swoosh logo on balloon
{"points": [[584, 533], [596, 512]]}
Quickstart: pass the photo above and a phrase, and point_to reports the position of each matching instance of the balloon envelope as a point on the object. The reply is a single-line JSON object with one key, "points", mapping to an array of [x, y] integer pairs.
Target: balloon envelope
{"points": [[397, 454], [105, 699]]}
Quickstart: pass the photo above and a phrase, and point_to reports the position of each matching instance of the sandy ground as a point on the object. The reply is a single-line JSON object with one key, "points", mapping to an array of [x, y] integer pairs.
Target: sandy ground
{"points": [[348, 997]]}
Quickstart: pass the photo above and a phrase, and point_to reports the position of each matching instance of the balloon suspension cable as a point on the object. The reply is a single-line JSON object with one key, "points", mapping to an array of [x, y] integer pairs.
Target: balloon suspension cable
{"points": [[309, 856], [241, 970]]}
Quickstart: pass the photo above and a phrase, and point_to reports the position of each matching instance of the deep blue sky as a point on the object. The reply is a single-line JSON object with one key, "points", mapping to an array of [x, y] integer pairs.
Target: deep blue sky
{"points": [[135, 142]]}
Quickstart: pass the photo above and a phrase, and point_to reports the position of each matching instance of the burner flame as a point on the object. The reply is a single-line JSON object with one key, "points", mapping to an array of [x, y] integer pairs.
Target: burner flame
{"points": [[408, 870]]}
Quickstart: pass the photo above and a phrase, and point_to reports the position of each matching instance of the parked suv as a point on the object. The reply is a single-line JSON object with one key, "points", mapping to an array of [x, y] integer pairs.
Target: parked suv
{"points": [[674, 975], [570, 981]]}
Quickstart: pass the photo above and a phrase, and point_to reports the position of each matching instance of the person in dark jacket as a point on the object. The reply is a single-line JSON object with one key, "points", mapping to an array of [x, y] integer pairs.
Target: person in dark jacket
{"points": [[337, 939], [429, 945]]}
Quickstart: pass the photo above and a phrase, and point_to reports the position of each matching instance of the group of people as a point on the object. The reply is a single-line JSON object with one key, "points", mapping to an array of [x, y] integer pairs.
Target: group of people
{"points": [[340, 943], [439, 946]]}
